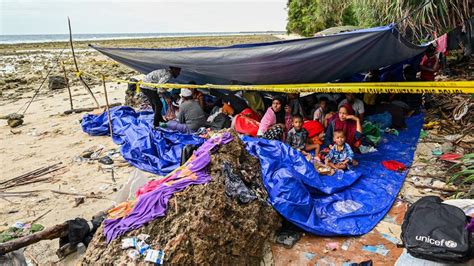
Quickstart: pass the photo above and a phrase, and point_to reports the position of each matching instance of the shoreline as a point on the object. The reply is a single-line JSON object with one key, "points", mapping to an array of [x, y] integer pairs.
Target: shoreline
{"points": [[151, 42], [84, 37]]}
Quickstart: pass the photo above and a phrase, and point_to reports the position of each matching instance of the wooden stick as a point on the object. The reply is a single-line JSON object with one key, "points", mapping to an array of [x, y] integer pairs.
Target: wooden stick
{"points": [[28, 192], [31, 257], [77, 68], [49, 233], [39, 217], [67, 84], [26, 183], [107, 106], [34, 172], [75, 194]]}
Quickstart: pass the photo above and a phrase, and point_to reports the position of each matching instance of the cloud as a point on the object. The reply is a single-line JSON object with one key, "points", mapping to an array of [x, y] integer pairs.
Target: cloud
{"points": [[107, 16]]}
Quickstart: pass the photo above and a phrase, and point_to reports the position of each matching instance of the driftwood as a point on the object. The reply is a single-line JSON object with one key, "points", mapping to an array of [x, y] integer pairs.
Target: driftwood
{"points": [[49, 233], [88, 109]]}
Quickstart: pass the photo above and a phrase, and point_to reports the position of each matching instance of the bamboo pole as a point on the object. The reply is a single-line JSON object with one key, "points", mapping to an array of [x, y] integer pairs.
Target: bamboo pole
{"points": [[107, 106], [67, 84], [77, 68]]}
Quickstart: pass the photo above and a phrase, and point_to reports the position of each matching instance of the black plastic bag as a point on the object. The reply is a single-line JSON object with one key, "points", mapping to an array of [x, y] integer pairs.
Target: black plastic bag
{"points": [[235, 187]]}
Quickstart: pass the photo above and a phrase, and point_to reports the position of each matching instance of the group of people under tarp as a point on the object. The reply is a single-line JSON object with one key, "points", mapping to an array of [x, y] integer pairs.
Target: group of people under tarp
{"points": [[325, 127]]}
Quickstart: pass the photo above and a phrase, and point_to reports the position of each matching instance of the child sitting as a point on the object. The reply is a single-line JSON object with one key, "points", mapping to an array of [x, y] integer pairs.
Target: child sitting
{"points": [[297, 136], [340, 155]]}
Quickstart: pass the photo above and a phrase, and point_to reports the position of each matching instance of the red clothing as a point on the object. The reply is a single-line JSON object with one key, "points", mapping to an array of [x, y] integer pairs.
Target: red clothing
{"points": [[348, 126], [429, 62]]}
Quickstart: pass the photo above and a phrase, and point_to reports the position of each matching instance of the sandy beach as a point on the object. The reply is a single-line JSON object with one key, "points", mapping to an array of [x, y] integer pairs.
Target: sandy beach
{"points": [[48, 136]]}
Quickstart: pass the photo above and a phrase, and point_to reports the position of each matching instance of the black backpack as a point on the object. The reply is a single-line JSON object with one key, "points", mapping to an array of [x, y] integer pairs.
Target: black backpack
{"points": [[435, 231]]}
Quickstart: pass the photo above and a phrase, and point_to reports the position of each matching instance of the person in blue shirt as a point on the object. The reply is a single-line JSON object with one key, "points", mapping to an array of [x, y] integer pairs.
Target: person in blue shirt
{"points": [[340, 155]]}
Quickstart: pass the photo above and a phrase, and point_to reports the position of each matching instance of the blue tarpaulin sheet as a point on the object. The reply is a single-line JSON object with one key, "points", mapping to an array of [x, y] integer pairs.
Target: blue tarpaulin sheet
{"points": [[155, 151], [345, 204]]}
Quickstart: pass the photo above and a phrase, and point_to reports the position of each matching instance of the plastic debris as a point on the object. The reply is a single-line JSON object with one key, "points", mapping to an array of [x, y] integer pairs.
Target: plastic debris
{"points": [[106, 160], [390, 238], [129, 243], [437, 152], [332, 246], [81, 248], [379, 249], [143, 237], [364, 263], [423, 134], [309, 255], [346, 245], [431, 125], [142, 247], [18, 225], [392, 131], [155, 256], [133, 254], [288, 238], [394, 165], [235, 187], [367, 149], [450, 157]]}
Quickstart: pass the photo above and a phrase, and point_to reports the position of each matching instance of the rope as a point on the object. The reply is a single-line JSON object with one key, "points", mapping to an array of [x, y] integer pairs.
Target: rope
{"points": [[42, 83]]}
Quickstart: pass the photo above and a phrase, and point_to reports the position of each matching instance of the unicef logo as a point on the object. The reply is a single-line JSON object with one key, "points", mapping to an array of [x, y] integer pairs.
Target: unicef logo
{"points": [[451, 244]]}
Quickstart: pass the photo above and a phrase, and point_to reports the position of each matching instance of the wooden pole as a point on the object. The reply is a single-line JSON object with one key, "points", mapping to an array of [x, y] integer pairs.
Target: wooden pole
{"points": [[49, 233], [107, 106], [77, 68], [67, 84]]}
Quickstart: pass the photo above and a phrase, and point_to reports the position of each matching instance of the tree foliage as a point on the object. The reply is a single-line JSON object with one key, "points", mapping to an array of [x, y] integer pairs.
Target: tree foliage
{"points": [[416, 18]]}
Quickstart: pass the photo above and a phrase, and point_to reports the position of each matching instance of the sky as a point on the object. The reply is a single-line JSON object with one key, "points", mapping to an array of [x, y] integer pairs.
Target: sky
{"points": [[141, 16]]}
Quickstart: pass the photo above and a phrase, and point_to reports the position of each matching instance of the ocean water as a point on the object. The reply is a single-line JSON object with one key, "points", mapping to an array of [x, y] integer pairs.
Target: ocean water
{"points": [[38, 38]]}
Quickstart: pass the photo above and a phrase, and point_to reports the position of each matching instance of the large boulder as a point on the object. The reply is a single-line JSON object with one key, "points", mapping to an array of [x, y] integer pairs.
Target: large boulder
{"points": [[203, 225]]}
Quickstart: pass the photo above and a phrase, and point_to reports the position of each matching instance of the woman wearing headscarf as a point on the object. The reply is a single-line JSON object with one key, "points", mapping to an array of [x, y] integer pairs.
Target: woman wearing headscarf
{"points": [[275, 121], [346, 121]]}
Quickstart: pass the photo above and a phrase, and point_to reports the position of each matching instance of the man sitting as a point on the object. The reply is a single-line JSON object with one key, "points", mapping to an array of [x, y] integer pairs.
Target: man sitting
{"points": [[190, 116]]}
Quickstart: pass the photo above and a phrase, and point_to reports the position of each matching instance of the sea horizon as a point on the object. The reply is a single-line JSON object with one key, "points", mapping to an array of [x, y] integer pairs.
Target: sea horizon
{"points": [[40, 38]]}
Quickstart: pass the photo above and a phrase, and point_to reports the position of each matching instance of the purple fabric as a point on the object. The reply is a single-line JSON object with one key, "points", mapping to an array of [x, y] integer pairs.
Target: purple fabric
{"points": [[470, 226], [154, 203]]}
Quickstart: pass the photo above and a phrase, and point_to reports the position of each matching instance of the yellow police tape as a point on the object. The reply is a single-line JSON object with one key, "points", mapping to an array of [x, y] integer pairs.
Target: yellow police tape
{"points": [[451, 87]]}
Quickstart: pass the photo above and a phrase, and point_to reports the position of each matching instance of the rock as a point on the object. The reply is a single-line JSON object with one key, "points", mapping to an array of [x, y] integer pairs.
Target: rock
{"points": [[56, 82], [79, 200], [12, 116], [202, 225], [14, 122]]}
